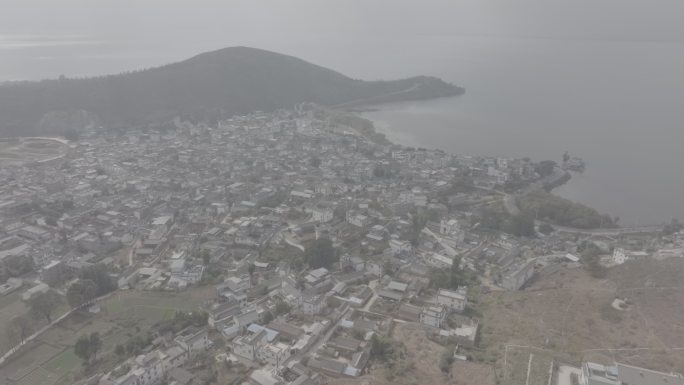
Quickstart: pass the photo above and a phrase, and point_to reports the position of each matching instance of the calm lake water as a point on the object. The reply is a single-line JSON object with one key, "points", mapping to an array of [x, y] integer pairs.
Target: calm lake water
{"points": [[618, 105]]}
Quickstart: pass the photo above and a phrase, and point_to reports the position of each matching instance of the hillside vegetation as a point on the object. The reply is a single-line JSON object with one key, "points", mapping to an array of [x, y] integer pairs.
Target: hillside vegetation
{"points": [[560, 211], [206, 87]]}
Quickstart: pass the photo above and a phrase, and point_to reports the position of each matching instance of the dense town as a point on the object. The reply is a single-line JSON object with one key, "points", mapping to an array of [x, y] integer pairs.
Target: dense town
{"points": [[304, 241]]}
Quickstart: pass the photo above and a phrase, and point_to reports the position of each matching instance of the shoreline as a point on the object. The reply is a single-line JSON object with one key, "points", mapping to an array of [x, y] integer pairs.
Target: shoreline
{"points": [[551, 187]]}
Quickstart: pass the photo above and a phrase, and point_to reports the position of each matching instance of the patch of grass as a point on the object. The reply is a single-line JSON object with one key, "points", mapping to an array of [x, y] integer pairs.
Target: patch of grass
{"points": [[149, 306], [24, 363], [39, 376], [8, 299], [125, 314], [64, 362]]}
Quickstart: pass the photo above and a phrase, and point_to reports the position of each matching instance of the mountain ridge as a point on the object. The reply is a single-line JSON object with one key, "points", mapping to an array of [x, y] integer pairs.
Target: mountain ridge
{"points": [[205, 87]]}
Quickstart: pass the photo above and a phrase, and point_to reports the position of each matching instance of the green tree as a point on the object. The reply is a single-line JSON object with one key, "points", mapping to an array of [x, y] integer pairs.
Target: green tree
{"points": [[388, 269], [673, 227], [450, 278], [206, 257], [19, 328], [315, 161], [590, 257], [446, 360], [340, 212], [100, 276], [381, 349], [320, 253], [82, 349], [281, 308], [545, 228], [545, 167], [521, 225], [71, 133], [268, 317], [379, 171], [95, 344], [44, 304], [81, 292], [17, 265], [87, 347]]}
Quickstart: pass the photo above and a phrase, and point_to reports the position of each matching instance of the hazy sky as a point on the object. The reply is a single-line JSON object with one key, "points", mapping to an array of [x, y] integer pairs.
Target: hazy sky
{"points": [[152, 19], [133, 33]]}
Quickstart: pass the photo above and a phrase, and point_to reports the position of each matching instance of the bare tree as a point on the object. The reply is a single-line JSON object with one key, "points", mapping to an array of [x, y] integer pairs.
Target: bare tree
{"points": [[44, 304], [19, 328]]}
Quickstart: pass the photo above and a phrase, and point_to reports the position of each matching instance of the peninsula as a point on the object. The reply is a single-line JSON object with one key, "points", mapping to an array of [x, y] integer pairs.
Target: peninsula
{"points": [[205, 88]]}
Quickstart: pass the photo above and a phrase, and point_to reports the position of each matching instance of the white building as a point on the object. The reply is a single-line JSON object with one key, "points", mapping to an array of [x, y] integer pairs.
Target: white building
{"points": [[622, 374], [399, 246], [449, 226], [455, 301], [193, 340], [433, 316], [246, 346], [358, 220], [621, 255], [439, 261], [273, 354], [313, 304], [322, 213]]}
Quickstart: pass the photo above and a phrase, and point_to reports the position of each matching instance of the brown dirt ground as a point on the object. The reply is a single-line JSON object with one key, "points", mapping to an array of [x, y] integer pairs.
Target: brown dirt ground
{"points": [[574, 316], [421, 365]]}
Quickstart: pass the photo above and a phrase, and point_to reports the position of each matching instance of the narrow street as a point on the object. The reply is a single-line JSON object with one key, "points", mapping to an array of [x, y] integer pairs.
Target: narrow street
{"points": [[372, 284]]}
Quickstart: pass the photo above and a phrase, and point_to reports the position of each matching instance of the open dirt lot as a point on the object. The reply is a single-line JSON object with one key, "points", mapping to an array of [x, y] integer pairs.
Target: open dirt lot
{"points": [[573, 320], [420, 365]]}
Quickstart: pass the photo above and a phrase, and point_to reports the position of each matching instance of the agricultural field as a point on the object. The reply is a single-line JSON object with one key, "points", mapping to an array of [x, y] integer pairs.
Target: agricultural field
{"points": [[11, 305], [50, 360]]}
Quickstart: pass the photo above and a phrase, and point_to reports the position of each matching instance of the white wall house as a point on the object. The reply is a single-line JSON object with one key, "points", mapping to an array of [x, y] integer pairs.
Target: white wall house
{"points": [[433, 316], [455, 301]]}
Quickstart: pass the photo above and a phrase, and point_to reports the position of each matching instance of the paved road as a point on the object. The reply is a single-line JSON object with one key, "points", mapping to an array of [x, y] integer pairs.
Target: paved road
{"points": [[607, 232], [372, 284], [321, 340], [512, 208]]}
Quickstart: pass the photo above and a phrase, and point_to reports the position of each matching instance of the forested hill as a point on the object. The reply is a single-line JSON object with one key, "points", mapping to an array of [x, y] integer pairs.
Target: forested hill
{"points": [[208, 86]]}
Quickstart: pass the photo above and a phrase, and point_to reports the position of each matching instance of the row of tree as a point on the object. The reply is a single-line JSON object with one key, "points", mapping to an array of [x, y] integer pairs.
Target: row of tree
{"points": [[520, 225], [87, 347], [320, 253], [41, 307], [94, 281]]}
